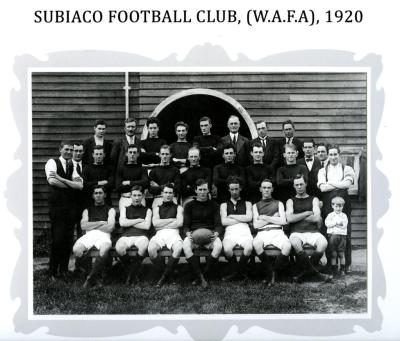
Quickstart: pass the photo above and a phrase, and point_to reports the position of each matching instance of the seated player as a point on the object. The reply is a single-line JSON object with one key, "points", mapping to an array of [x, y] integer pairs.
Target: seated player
{"points": [[98, 173], [202, 213], [304, 216], [167, 220], [130, 174], [336, 224], [286, 174], [225, 170], [235, 216], [151, 145], [208, 144], [135, 221], [268, 220], [180, 148], [194, 172], [98, 220], [257, 172], [162, 174]]}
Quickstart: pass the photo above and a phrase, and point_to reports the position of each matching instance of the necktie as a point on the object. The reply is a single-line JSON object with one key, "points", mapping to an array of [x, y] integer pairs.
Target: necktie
{"points": [[78, 169], [263, 143], [234, 140], [69, 169]]}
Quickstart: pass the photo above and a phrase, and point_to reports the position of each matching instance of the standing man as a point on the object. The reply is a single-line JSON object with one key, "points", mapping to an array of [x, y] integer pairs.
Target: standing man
{"points": [[202, 213], [322, 153], [289, 138], [98, 174], [225, 170], [135, 221], [152, 144], [334, 179], [257, 172], [180, 148], [304, 216], [97, 139], [79, 196], [286, 174], [162, 174], [313, 165], [98, 220], [167, 220], [268, 220], [129, 175], [235, 216], [240, 143], [194, 172], [120, 146], [59, 177], [208, 144], [271, 151]]}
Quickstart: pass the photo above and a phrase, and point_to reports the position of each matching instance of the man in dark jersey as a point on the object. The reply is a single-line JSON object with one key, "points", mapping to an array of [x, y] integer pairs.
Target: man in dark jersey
{"points": [[167, 220], [162, 174], [304, 216], [257, 172], [59, 176], [151, 145], [235, 216], [225, 170], [98, 173], [208, 144], [268, 220], [98, 220], [194, 172], [313, 165], [202, 213], [179, 149], [135, 221], [97, 139], [129, 175], [286, 174]]}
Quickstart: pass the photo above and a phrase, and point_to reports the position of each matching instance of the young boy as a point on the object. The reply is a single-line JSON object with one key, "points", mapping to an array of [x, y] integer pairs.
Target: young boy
{"points": [[336, 223]]}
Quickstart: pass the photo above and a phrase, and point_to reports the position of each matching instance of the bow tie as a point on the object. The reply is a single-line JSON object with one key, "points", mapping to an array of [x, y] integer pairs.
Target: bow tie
{"points": [[309, 159]]}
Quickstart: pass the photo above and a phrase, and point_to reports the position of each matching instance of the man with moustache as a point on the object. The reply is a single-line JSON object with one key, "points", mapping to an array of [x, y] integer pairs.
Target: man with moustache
{"points": [[289, 138]]}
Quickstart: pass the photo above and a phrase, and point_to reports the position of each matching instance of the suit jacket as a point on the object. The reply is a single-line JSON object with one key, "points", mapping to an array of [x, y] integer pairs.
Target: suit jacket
{"points": [[312, 188], [281, 141], [119, 149], [271, 152], [88, 147], [242, 149]]}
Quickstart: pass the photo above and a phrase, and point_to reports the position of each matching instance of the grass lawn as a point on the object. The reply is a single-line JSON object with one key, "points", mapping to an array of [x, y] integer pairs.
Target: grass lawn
{"points": [[343, 295]]}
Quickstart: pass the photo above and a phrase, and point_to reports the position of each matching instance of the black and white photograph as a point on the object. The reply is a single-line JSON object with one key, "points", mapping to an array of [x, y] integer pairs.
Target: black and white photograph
{"points": [[179, 192]]}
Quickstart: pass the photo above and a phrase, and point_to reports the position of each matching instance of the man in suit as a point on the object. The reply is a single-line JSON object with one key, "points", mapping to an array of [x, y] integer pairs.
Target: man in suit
{"points": [[288, 131], [271, 152], [313, 164], [322, 153], [97, 140], [120, 146], [240, 142]]}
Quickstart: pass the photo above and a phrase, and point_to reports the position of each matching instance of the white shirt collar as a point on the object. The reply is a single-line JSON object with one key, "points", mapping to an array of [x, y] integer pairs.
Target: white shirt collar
{"points": [[98, 140], [232, 135], [130, 138]]}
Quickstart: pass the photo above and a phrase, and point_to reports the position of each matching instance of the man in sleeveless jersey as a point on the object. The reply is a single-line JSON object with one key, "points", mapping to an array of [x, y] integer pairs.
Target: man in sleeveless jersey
{"points": [[304, 216], [167, 220], [235, 216], [98, 220], [268, 219], [135, 221], [59, 176]]}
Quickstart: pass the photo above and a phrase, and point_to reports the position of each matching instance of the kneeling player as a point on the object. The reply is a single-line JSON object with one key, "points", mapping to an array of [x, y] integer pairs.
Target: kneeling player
{"points": [[98, 220], [202, 214], [167, 219], [235, 216], [268, 219], [136, 221]]}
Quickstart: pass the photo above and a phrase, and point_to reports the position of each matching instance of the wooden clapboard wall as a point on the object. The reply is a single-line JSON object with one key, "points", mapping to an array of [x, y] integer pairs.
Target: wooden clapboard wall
{"points": [[65, 106], [330, 107], [327, 106]]}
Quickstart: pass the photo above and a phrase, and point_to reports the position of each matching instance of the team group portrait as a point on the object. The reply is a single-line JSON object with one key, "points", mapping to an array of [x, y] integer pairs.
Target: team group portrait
{"points": [[199, 193]]}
